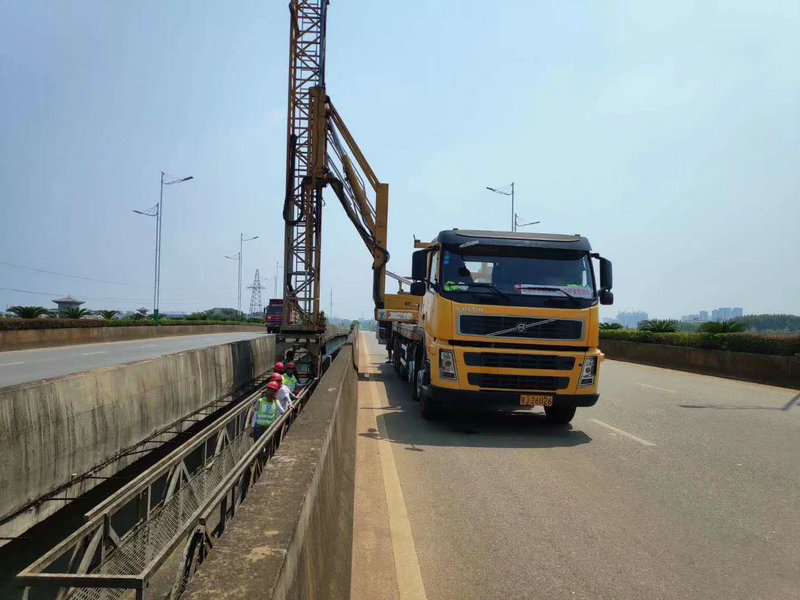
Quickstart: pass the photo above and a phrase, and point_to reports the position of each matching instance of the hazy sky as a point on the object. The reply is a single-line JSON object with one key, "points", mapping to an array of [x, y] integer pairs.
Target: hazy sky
{"points": [[667, 132]]}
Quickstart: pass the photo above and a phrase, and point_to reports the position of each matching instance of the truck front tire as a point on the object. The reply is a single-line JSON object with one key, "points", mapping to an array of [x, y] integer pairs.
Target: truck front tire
{"points": [[559, 415]]}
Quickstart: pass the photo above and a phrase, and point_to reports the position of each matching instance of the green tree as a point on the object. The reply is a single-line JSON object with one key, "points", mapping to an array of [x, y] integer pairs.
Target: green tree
{"points": [[108, 314], [779, 323], [610, 326], [74, 313], [28, 312], [658, 326], [723, 327]]}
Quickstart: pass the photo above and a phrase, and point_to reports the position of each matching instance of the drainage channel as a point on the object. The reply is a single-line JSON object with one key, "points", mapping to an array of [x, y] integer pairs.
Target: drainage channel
{"points": [[159, 527], [19, 552]]}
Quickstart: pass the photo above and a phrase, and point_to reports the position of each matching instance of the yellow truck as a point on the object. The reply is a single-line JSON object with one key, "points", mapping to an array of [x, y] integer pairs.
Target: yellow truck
{"points": [[506, 320]]}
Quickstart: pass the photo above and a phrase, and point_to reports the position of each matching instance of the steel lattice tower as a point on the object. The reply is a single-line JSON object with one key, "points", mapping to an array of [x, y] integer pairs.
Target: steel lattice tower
{"points": [[302, 211], [256, 306]]}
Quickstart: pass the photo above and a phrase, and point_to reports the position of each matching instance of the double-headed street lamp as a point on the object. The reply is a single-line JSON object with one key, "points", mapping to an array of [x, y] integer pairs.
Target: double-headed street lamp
{"points": [[156, 211], [238, 257]]}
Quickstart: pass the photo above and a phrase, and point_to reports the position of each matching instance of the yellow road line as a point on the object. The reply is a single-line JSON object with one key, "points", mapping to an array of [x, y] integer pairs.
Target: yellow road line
{"points": [[406, 562]]}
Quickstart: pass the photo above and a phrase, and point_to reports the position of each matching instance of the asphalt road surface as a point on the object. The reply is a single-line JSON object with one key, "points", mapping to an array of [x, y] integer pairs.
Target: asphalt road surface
{"points": [[30, 365], [675, 486]]}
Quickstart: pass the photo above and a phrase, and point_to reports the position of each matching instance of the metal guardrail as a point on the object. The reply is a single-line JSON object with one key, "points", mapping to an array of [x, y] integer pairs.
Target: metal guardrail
{"points": [[186, 497]]}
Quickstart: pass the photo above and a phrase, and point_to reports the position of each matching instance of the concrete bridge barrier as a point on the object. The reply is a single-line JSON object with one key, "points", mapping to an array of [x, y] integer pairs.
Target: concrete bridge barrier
{"points": [[56, 430], [759, 368], [292, 537], [22, 339]]}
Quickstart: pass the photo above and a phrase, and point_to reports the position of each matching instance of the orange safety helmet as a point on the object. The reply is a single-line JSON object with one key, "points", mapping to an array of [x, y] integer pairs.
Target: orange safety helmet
{"points": [[279, 367], [291, 366], [274, 386], [276, 377]]}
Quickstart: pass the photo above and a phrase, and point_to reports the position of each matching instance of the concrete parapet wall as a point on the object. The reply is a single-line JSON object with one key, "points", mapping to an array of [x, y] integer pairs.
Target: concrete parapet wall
{"points": [[292, 537], [759, 368], [22, 339], [53, 429]]}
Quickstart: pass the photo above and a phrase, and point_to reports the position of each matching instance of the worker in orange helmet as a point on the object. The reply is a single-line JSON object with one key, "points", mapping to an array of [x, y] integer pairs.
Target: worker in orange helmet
{"points": [[280, 368]]}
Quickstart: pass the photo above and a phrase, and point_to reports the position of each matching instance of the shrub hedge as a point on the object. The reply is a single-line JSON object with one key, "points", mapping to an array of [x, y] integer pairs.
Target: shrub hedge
{"points": [[16, 324], [785, 345]]}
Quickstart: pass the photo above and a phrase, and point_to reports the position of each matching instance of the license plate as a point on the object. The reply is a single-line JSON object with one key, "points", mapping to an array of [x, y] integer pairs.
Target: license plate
{"points": [[535, 400]]}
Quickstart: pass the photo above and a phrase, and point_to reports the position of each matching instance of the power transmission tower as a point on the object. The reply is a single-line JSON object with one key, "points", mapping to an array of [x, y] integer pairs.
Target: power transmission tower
{"points": [[256, 305]]}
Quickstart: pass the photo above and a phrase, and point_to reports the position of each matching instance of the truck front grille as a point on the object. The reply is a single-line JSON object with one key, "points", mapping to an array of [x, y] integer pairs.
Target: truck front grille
{"points": [[518, 382], [521, 327], [519, 361]]}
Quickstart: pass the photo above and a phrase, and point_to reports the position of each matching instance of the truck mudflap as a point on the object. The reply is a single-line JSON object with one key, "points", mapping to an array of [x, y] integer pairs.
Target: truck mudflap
{"points": [[489, 399]]}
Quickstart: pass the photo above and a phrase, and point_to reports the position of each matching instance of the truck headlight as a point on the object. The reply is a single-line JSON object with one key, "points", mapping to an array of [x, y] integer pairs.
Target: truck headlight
{"points": [[447, 364], [588, 372]]}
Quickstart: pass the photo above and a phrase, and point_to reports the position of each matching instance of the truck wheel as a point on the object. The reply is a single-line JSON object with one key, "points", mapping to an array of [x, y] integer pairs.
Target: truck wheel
{"points": [[559, 415], [430, 410]]}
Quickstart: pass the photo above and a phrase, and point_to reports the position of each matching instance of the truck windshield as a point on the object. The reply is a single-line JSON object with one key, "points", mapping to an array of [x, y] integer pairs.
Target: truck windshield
{"points": [[522, 275], [275, 309]]}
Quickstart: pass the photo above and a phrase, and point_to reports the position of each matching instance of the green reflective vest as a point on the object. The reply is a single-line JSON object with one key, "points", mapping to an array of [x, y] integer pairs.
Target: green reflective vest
{"points": [[267, 410], [290, 381]]}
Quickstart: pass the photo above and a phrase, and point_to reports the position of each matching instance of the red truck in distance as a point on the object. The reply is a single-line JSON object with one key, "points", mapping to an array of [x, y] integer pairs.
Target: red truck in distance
{"points": [[273, 315]]}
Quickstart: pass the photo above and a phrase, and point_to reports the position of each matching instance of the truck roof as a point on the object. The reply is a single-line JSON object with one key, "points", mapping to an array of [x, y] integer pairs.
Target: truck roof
{"points": [[515, 238]]}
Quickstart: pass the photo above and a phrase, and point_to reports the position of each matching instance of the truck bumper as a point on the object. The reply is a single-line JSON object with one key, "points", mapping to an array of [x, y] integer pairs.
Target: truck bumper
{"points": [[499, 399]]}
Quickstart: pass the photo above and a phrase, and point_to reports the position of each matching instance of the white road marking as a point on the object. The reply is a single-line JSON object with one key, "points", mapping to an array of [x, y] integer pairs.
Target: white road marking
{"points": [[635, 438], [14, 363], [149, 346], [92, 353], [655, 387], [406, 561]]}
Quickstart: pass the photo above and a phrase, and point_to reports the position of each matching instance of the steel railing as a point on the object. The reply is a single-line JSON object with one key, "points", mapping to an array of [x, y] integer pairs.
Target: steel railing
{"points": [[186, 497]]}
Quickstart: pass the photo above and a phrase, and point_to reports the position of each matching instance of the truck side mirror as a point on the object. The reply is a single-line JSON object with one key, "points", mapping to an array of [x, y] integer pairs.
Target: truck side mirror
{"points": [[418, 288], [606, 296], [606, 278], [419, 265]]}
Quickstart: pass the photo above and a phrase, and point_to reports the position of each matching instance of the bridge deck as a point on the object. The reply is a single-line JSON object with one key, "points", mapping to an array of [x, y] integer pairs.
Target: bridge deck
{"points": [[674, 486]]}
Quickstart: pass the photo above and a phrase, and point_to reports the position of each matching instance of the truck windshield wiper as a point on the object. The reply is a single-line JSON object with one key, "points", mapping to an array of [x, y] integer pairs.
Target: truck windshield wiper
{"points": [[490, 286], [575, 300]]}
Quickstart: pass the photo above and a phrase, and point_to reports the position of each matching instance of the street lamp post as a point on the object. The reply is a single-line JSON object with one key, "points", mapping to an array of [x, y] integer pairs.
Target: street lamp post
{"points": [[238, 256], [277, 267], [505, 193], [156, 212]]}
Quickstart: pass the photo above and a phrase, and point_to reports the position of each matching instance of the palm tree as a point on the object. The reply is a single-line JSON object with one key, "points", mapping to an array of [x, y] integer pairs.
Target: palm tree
{"points": [[610, 326], [658, 326], [28, 312], [108, 314], [74, 313], [723, 327]]}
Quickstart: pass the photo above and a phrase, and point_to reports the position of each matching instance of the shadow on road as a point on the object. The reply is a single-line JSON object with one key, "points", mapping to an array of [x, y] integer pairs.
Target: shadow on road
{"points": [[406, 426]]}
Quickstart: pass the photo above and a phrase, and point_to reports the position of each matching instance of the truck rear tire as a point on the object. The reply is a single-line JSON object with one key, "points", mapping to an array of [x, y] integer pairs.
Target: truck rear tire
{"points": [[559, 415]]}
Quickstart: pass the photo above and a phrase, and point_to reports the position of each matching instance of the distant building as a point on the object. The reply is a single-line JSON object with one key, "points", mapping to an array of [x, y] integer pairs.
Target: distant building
{"points": [[726, 314], [631, 320], [68, 302], [703, 314], [690, 318]]}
